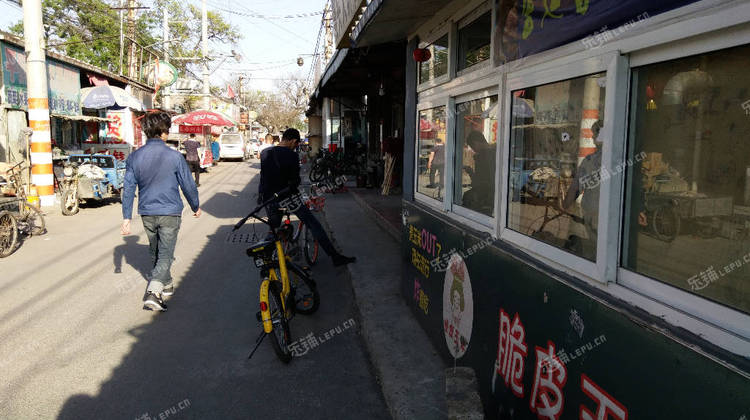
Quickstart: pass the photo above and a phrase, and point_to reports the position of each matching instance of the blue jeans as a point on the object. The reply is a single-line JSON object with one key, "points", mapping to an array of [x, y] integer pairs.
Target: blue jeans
{"points": [[162, 239]]}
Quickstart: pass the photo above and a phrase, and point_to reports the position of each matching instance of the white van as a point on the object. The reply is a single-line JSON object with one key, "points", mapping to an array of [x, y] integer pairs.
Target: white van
{"points": [[231, 146]]}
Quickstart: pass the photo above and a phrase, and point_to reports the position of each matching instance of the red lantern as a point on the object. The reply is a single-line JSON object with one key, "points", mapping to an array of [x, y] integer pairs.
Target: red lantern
{"points": [[650, 92], [422, 54]]}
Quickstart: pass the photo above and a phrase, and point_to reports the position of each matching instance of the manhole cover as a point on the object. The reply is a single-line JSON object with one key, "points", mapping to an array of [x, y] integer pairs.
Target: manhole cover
{"points": [[241, 238]]}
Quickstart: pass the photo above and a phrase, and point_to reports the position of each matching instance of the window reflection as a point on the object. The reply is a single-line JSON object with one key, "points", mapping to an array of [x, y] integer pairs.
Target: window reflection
{"points": [[474, 42], [687, 211], [431, 146], [437, 65], [555, 163], [476, 139]]}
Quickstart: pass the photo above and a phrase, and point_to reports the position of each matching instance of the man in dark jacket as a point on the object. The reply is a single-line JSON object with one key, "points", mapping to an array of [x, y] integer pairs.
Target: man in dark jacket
{"points": [[159, 173], [279, 169], [192, 158]]}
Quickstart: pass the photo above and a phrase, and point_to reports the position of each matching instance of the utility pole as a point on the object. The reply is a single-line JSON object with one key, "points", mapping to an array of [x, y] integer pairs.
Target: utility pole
{"points": [[122, 35], [206, 74], [36, 77], [242, 100], [165, 92], [328, 18], [131, 38]]}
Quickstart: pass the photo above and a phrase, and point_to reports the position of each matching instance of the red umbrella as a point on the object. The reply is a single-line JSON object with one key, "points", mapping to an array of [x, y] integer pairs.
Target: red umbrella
{"points": [[202, 117]]}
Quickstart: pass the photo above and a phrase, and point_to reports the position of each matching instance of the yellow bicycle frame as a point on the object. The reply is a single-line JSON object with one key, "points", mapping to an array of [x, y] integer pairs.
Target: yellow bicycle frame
{"points": [[285, 289]]}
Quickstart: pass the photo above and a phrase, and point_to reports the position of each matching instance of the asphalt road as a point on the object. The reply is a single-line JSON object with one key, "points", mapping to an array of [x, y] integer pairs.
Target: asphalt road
{"points": [[75, 342]]}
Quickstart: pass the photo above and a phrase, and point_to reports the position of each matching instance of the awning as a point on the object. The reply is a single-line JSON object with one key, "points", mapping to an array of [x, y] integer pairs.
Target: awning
{"points": [[81, 118], [392, 21]]}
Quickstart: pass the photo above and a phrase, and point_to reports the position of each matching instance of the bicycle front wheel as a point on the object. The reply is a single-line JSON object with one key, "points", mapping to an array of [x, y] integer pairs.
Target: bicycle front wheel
{"points": [[311, 247], [306, 296], [280, 336]]}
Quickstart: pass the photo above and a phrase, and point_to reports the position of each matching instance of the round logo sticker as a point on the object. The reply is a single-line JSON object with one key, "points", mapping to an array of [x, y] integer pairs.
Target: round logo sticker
{"points": [[458, 307]]}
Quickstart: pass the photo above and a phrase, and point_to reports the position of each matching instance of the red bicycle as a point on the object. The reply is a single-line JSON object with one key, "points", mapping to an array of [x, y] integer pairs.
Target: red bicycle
{"points": [[290, 235]]}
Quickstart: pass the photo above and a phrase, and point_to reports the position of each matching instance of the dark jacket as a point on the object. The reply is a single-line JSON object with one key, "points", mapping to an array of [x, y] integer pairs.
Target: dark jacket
{"points": [[159, 173], [279, 168], [191, 149]]}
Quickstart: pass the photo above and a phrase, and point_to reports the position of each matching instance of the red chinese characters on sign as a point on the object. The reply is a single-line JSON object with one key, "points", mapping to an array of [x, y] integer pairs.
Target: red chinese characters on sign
{"points": [[511, 353], [607, 406], [188, 129], [114, 127], [547, 397]]}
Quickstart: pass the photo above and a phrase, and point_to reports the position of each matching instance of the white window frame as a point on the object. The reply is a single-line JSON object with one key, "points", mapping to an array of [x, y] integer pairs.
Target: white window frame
{"points": [[420, 196], [447, 76], [465, 21], [482, 219], [552, 72], [721, 316]]}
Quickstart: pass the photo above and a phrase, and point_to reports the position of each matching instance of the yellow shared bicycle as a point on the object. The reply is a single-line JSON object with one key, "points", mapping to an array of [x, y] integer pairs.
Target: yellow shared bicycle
{"points": [[285, 289]]}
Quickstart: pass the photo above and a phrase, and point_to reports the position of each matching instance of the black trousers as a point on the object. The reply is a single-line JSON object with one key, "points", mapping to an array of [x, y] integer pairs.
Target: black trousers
{"points": [[195, 168]]}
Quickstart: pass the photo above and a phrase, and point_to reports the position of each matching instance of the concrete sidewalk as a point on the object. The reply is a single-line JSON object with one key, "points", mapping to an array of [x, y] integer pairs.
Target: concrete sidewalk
{"points": [[410, 372]]}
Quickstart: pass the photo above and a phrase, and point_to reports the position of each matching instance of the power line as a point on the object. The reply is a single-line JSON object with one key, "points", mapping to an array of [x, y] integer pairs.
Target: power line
{"points": [[252, 14]]}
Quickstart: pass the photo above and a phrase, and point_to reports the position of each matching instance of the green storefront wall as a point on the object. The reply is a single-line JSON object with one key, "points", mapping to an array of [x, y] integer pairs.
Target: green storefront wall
{"points": [[610, 360]]}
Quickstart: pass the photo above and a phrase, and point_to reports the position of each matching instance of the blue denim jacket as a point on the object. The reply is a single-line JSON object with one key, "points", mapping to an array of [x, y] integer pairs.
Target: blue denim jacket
{"points": [[159, 172]]}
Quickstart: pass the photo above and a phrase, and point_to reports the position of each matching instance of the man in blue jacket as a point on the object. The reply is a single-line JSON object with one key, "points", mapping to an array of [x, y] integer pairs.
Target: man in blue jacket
{"points": [[159, 173]]}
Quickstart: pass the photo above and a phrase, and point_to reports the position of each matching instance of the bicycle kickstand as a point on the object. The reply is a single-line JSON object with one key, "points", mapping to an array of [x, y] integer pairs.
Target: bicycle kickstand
{"points": [[257, 343]]}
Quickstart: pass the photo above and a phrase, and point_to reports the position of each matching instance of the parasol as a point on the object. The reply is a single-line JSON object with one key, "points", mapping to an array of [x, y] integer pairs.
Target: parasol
{"points": [[107, 96], [203, 117]]}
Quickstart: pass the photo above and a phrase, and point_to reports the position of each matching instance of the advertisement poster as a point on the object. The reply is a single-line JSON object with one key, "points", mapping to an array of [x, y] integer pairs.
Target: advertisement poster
{"points": [[64, 84]]}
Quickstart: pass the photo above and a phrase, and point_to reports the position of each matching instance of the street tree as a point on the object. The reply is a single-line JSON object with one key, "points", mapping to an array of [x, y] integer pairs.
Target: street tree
{"points": [[89, 30]]}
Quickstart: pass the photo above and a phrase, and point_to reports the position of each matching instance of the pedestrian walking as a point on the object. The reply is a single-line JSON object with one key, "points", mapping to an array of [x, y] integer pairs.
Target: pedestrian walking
{"points": [[279, 169], [192, 158], [159, 173]]}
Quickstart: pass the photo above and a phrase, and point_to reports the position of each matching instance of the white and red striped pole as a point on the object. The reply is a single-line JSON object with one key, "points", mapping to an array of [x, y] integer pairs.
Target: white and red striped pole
{"points": [[591, 91], [36, 77]]}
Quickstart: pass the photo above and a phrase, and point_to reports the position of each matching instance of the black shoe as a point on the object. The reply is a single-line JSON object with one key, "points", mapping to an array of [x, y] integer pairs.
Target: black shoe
{"points": [[339, 260], [154, 302], [167, 291]]}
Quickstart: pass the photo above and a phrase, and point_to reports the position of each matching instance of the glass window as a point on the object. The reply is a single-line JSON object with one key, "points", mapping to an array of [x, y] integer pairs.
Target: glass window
{"points": [[687, 214], [437, 65], [431, 146], [555, 157], [476, 140], [474, 41]]}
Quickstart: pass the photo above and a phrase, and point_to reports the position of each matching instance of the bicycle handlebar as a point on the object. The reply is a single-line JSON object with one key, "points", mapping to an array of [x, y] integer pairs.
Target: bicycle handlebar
{"points": [[275, 197]]}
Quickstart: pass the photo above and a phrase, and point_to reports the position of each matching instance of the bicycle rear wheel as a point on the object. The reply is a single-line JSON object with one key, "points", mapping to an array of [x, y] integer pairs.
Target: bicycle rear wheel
{"points": [[8, 233], [311, 247], [306, 295], [35, 220], [280, 336]]}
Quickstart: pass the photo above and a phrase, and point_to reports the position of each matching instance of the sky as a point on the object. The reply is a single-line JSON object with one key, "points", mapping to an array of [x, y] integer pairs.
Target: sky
{"points": [[269, 47]]}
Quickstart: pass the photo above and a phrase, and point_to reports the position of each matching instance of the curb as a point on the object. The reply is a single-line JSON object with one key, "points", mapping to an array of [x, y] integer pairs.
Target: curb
{"points": [[381, 221], [462, 398], [405, 363]]}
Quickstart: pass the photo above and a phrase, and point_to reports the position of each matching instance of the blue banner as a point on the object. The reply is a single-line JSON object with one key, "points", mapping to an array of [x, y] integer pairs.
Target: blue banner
{"points": [[533, 26]]}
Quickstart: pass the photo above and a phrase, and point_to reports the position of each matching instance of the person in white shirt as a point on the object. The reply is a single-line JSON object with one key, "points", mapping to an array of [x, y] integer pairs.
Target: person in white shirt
{"points": [[266, 144]]}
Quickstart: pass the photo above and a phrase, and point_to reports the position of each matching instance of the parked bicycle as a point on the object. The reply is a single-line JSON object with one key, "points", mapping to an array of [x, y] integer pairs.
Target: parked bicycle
{"points": [[285, 289], [331, 165], [18, 217]]}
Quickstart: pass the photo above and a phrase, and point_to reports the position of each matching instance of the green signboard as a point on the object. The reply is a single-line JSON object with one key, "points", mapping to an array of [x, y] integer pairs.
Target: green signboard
{"points": [[553, 347], [63, 83]]}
